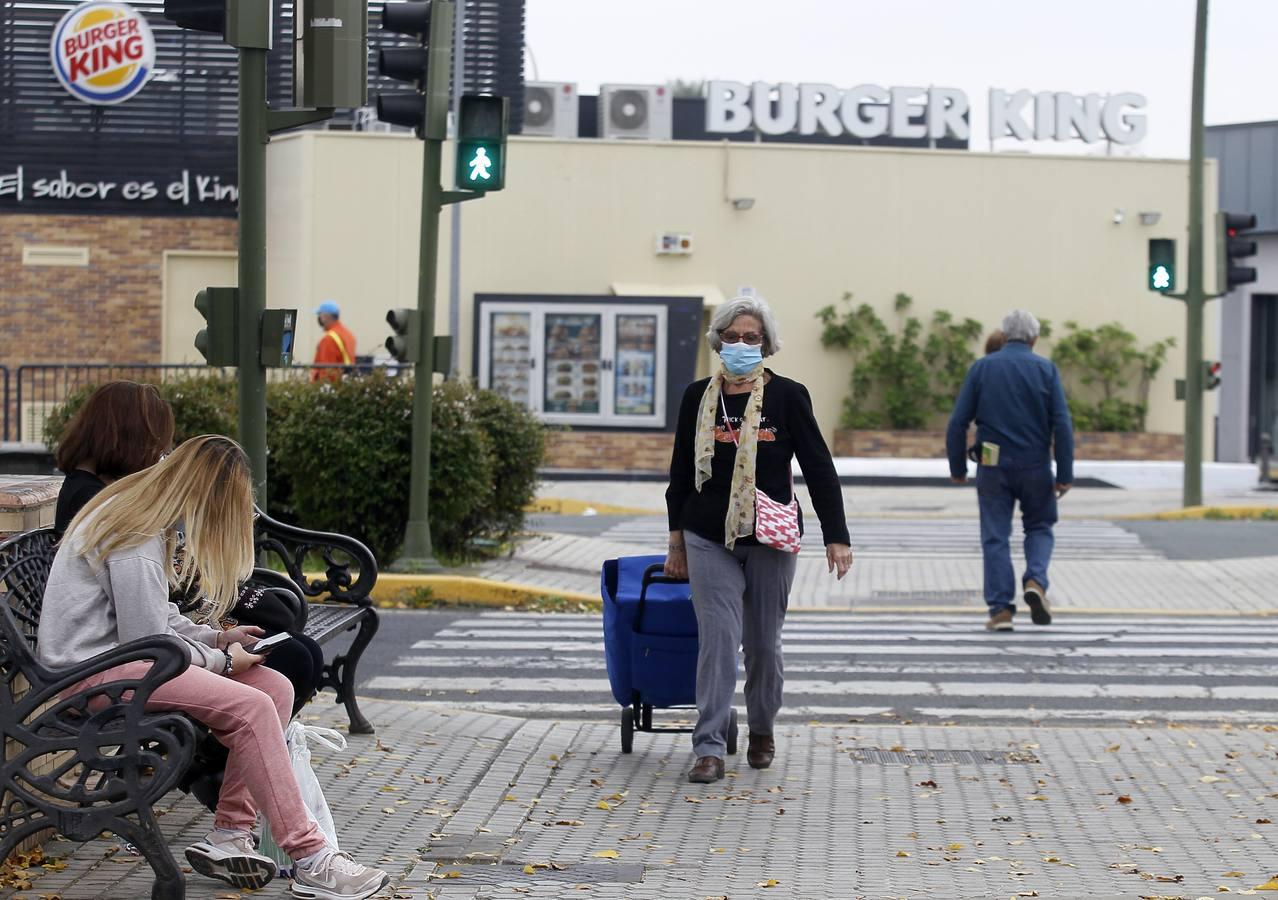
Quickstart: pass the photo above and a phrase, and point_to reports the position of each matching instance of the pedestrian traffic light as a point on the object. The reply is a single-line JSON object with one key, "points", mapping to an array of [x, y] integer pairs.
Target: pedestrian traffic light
{"points": [[1211, 374], [216, 340], [241, 23], [197, 15], [426, 67], [481, 143], [1230, 245], [403, 344], [1162, 265]]}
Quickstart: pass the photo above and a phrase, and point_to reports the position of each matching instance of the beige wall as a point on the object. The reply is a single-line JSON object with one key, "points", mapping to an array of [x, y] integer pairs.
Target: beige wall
{"points": [[973, 233], [186, 273]]}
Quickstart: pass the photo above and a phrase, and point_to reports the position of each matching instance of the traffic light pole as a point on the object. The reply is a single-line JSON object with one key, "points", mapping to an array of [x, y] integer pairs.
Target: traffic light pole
{"points": [[1195, 294], [418, 553], [252, 261]]}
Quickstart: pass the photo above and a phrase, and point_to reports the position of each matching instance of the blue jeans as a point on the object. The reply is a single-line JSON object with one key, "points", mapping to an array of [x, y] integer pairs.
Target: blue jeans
{"points": [[997, 491]]}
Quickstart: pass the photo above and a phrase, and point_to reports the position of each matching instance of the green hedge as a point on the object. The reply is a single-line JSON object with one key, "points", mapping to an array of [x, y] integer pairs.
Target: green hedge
{"points": [[339, 456]]}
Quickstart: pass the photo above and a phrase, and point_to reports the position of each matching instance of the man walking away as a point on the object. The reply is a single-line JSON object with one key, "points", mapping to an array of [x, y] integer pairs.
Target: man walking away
{"points": [[336, 346], [1018, 403]]}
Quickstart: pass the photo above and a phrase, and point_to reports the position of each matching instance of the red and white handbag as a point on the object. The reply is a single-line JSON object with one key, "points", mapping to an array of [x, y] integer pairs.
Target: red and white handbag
{"points": [[776, 525]]}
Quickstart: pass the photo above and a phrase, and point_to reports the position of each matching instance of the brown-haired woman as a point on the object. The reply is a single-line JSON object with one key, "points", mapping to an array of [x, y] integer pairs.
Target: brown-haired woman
{"points": [[122, 428]]}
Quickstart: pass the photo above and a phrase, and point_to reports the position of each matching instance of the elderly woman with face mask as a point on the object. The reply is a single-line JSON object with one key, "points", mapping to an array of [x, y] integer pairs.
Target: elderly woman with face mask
{"points": [[737, 433]]}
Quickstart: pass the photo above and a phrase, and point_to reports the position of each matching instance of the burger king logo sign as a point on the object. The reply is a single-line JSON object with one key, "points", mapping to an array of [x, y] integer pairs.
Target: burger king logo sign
{"points": [[103, 52]]}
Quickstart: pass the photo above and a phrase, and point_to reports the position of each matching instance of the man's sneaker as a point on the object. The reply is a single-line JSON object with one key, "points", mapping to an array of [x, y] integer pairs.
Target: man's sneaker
{"points": [[1000, 621], [231, 857], [336, 876], [1036, 600]]}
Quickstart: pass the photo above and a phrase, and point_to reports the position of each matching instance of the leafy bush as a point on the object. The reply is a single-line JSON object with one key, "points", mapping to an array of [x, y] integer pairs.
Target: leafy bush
{"points": [[340, 453], [201, 405], [905, 379], [1107, 376]]}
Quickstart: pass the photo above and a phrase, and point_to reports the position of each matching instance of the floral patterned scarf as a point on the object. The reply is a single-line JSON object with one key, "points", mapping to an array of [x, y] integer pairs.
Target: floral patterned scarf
{"points": [[740, 518]]}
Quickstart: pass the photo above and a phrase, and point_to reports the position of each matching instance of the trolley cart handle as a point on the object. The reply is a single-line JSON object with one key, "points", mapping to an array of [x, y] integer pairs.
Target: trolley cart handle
{"points": [[652, 575]]}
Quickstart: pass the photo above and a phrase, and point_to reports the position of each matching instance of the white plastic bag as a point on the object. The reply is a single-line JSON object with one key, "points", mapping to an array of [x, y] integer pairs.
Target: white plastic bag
{"points": [[297, 735]]}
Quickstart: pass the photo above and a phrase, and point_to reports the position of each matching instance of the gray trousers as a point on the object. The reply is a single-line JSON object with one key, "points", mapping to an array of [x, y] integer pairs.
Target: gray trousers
{"points": [[740, 597]]}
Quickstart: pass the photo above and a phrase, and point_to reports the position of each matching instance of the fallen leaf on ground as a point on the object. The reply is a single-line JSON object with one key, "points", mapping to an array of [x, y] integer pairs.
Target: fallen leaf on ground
{"points": [[1210, 779], [606, 854], [955, 846], [1124, 798], [1232, 874], [529, 870], [603, 804], [1270, 885], [901, 853], [771, 882], [930, 783]]}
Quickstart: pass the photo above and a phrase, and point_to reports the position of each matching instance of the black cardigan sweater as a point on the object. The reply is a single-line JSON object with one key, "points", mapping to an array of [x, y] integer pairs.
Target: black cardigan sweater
{"points": [[787, 429]]}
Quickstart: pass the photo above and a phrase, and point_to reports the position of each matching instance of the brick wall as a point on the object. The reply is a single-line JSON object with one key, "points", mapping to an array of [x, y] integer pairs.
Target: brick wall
{"points": [[107, 311], [931, 445], [616, 451]]}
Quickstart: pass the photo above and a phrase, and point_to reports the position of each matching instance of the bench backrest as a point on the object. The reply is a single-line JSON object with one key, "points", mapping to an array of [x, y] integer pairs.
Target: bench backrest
{"points": [[25, 560], [300, 549]]}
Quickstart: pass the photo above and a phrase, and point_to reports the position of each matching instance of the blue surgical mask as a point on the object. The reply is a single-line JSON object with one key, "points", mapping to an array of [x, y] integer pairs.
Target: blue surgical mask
{"points": [[741, 358]]}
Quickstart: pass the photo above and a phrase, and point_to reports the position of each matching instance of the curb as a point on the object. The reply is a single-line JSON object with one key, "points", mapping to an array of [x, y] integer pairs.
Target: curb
{"points": [[564, 506], [1245, 513], [392, 589]]}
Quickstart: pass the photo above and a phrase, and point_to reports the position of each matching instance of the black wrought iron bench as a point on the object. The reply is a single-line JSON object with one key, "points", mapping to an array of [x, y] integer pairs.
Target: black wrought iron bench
{"points": [[96, 761], [327, 606]]}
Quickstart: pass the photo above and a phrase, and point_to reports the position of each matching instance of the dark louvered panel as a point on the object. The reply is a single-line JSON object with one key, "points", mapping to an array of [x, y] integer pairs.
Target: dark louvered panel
{"points": [[179, 131]]}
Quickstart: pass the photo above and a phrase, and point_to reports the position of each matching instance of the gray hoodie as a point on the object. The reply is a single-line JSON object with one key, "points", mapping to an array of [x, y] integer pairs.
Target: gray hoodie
{"points": [[91, 606]]}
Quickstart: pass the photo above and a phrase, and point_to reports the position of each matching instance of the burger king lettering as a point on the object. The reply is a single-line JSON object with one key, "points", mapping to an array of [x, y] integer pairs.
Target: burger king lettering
{"points": [[103, 52]]}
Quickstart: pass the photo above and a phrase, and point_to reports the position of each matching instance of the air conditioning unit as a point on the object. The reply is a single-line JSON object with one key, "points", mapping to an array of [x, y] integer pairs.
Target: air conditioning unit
{"points": [[550, 109], [643, 112]]}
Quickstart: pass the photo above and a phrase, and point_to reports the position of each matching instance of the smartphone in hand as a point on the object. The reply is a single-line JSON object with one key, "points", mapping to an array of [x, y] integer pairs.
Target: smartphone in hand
{"points": [[266, 645]]}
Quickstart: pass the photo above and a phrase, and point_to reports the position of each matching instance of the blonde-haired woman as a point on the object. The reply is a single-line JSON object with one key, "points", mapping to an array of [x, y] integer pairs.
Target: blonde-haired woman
{"points": [[110, 584]]}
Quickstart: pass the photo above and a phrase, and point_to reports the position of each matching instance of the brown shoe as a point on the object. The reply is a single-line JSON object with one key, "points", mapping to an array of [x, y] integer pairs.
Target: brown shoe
{"points": [[707, 770], [1036, 600], [1000, 621], [761, 750]]}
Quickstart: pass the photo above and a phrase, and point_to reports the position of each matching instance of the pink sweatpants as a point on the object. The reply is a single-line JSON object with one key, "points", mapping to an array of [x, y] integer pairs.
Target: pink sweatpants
{"points": [[247, 714]]}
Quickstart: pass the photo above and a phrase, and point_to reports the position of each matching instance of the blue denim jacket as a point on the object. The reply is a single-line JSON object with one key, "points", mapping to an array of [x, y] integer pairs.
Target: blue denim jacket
{"points": [[1018, 402]]}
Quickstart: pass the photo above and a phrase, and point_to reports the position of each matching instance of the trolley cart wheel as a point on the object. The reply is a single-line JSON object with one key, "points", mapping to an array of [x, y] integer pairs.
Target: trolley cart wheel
{"points": [[627, 730], [732, 732], [646, 719]]}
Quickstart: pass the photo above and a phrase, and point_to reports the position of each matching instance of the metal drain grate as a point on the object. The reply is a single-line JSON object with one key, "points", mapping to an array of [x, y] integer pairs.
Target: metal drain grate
{"points": [[513, 873], [878, 757]]}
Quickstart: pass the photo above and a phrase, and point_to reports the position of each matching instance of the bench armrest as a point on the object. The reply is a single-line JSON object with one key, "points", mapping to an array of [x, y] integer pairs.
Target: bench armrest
{"points": [[340, 553]]}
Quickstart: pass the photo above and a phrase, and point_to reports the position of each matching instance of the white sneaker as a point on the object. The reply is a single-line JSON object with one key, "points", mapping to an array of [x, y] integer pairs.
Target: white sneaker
{"points": [[336, 876], [231, 857]]}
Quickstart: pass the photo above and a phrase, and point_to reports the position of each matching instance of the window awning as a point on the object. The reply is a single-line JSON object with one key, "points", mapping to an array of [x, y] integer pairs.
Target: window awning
{"points": [[709, 293]]}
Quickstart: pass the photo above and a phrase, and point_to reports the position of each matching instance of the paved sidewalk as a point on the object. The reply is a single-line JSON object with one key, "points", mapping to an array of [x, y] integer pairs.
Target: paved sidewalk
{"points": [[465, 805], [571, 563]]}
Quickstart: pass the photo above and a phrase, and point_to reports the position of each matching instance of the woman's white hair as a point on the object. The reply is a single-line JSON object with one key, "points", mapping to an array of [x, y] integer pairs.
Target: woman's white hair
{"points": [[1020, 325], [728, 313]]}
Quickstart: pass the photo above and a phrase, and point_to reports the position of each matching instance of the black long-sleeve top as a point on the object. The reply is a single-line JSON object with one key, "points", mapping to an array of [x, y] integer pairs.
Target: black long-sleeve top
{"points": [[787, 429]]}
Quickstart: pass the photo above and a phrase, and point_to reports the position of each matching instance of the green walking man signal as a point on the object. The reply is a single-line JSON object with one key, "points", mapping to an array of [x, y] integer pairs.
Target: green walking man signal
{"points": [[481, 143], [1162, 265]]}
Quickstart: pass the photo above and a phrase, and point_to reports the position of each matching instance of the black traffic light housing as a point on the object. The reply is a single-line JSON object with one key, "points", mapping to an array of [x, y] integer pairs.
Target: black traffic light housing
{"points": [[403, 344], [241, 23], [1211, 374], [216, 341], [426, 67], [1161, 275], [1232, 244], [197, 15], [481, 143]]}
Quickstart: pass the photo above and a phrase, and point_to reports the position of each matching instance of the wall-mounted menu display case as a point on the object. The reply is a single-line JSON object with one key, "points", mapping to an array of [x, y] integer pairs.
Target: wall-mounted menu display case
{"points": [[577, 363]]}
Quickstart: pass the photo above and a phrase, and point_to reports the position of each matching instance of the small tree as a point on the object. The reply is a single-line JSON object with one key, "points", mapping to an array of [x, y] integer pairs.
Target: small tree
{"points": [[1108, 376], [904, 378]]}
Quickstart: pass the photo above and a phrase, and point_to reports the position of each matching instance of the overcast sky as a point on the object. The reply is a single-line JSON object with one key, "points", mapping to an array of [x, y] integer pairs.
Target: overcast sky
{"points": [[1078, 46]]}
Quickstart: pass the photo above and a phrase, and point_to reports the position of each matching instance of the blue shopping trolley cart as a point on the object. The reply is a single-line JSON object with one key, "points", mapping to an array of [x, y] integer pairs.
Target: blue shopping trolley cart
{"points": [[650, 645]]}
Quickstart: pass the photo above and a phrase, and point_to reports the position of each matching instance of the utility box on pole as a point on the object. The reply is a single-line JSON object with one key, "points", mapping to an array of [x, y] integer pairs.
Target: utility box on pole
{"points": [[330, 54]]}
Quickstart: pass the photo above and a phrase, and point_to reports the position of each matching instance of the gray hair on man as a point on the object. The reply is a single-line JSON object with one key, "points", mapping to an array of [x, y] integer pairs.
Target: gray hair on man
{"points": [[1020, 325], [727, 313]]}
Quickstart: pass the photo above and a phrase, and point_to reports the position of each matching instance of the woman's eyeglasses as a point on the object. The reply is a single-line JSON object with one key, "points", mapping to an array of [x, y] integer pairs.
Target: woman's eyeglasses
{"points": [[750, 337]]}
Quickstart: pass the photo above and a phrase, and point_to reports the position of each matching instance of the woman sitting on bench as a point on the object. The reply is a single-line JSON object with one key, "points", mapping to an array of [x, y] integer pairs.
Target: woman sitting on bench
{"points": [[110, 583]]}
